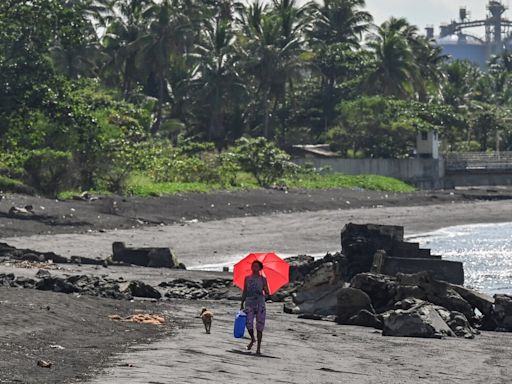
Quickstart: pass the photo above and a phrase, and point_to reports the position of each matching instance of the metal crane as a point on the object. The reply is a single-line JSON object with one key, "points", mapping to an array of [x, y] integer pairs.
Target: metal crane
{"points": [[497, 27]]}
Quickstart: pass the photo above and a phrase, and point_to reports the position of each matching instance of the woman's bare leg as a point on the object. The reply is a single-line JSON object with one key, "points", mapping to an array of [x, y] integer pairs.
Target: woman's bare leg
{"points": [[260, 337], [251, 333]]}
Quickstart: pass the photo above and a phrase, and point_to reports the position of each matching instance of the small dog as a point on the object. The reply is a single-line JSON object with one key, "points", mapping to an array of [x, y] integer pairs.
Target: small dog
{"points": [[207, 317]]}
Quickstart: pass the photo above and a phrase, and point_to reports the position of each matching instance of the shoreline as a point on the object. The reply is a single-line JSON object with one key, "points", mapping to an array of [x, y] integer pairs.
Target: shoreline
{"points": [[218, 241]]}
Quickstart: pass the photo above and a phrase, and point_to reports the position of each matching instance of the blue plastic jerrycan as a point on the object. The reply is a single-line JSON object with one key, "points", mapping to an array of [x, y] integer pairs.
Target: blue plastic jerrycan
{"points": [[240, 321]]}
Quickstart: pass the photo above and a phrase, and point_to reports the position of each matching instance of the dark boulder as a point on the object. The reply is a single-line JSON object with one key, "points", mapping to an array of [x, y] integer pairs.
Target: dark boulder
{"points": [[366, 318], [42, 273], [141, 289], [24, 282], [461, 326], [478, 300], [56, 284], [29, 256], [421, 320], [502, 312], [437, 292], [350, 302], [381, 289]]}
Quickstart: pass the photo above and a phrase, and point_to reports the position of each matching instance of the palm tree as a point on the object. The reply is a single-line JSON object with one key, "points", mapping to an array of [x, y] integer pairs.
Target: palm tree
{"points": [[459, 84], [340, 21], [76, 51], [216, 80], [395, 70], [170, 34], [429, 58], [272, 52], [336, 31], [122, 44]]}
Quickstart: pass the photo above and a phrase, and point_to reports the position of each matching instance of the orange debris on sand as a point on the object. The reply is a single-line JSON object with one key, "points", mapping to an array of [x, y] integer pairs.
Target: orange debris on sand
{"points": [[36, 265], [141, 319]]}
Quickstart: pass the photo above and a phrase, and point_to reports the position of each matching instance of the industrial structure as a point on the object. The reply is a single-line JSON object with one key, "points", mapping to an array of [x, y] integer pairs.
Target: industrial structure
{"points": [[457, 41]]}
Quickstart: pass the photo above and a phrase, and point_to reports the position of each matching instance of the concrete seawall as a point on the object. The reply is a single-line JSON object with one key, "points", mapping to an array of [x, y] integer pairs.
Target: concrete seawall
{"points": [[422, 173], [426, 174]]}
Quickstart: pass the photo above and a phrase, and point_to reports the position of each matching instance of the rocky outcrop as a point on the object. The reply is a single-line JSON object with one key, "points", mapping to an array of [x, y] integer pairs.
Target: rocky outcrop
{"points": [[212, 289], [145, 257], [9, 280], [8, 253], [15, 254], [85, 285]]}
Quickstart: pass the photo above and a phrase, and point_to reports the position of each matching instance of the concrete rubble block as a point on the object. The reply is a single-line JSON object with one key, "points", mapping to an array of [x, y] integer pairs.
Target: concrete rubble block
{"points": [[450, 271], [153, 257], [360, 242]]}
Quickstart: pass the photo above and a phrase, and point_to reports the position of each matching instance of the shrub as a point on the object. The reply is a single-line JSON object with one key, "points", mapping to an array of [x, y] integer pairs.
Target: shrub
{"points": [[15, 186], [263, 159], [47, 170]]}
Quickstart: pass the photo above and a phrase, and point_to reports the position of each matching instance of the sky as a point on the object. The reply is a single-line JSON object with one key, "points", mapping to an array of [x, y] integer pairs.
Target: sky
{"points": [[427, 12]]}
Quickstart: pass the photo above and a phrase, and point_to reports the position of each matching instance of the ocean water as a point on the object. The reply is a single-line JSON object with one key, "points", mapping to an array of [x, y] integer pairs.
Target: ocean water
{"points": [[485, 250]]}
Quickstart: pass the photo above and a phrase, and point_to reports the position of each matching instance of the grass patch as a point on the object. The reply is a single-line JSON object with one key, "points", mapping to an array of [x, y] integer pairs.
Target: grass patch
{"points": [[170, 188], [340, 181], [139, 185], [68, 195], [143, 186], [15, 186]]}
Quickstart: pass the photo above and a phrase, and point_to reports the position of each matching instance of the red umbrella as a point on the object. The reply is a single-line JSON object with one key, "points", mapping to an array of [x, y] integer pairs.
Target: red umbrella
{"points": [[275, 269]]}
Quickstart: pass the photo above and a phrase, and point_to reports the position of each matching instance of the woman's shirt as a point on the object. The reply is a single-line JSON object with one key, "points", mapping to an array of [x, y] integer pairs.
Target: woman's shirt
{"points": [[254, 289]]}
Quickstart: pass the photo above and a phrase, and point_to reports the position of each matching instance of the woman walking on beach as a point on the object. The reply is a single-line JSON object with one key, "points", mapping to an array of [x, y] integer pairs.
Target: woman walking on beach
{"points": [[253, 298]]}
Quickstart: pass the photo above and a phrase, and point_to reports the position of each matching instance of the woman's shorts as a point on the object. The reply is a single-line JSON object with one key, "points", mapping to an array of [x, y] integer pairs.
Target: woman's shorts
{"points": [[258, 312]]}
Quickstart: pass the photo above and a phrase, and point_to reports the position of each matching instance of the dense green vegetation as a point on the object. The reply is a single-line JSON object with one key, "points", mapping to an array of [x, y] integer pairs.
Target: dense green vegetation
{"points": [[159, 96]]}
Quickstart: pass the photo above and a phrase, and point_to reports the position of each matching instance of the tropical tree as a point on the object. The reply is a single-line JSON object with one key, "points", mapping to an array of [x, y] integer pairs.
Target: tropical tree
{"points": [[272, 53], [121, 42], [339, 21], [335, 36], [169, 36], [395, 68], [216, 79]]}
